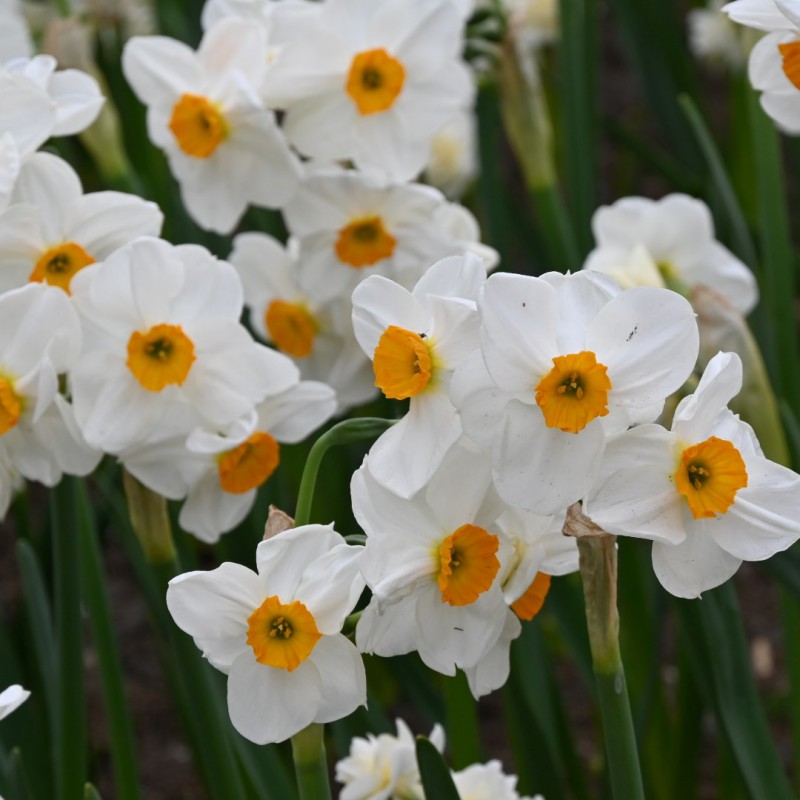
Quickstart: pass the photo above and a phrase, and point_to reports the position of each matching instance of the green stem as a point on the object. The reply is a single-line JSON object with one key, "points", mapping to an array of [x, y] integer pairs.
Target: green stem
{"points": [[310, 764], [555, 226], [347, 432], [598, 563]]}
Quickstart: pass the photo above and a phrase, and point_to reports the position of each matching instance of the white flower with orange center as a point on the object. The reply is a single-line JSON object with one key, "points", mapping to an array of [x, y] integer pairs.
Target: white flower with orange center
{"points": [[350, 225], [276, 633], [53, 230], [204, 111], [384, 766], [162, 333], [377, 92], [220, 472], [703, 491], [566, 359], [40, 338], [432, 563], [774, 65], [668, 242], [318, 337], [416, 340]]}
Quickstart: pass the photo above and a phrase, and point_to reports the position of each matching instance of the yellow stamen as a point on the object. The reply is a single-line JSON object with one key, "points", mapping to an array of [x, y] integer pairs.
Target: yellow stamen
{"points": [[291, 327], [467, 565], [790, 52], [709, 476], [282, 635], [402, 363], [249, 465], [574, 392], [57, 265], [10, 406], [197, 125], [530, 603], [364, 242], [375, 80], [160, 357]]}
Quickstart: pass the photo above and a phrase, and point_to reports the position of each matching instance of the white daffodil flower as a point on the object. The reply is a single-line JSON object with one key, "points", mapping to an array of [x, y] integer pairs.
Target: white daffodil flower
{"points": [[76, 96], [11, 699], [276, 633], [318, 337], [566, 359], [204, 111], [349, 225], [703, 491], [432, 564], [416, 340], [162, 333], [377, 92], [642, 242], [52, 230], [219, 472], [487, 782], [40, 338], [384, 767]]}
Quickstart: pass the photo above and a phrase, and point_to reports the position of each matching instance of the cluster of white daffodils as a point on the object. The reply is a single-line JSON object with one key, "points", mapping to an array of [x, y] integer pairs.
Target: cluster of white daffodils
{"points": [[384, 767], [363, 113], [116, 342], [774, 64]]}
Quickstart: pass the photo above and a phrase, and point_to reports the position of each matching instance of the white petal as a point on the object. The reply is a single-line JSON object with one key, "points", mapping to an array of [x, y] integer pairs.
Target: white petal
{"points": [[764, 15], [454, 276], [518, 333], [292, 415], [544, 469], [648, 340], [160, 69], [342, 676], [694, 566], [390, 630], [491, 672], [405, 456], [268, 704], [636, 495], [721, 381], [78, 100], [209, 511], [215, 606], [11, 699]]}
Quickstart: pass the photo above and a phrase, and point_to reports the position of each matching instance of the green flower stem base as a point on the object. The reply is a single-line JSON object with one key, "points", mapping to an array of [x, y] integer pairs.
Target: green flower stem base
{"points": [[310, 764], [598, 563]]}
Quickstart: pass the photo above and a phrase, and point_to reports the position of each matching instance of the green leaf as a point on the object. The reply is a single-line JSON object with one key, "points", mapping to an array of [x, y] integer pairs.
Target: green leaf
{"points": [[720, 659], [120, 725], [463, 733], [436, 779]]}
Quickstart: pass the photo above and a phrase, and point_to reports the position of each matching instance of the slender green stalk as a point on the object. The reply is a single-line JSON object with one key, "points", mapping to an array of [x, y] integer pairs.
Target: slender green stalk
{"points": [[70, 743], [347, 432], [120, 726], [463, 733], [310, 764], [598, 563]]}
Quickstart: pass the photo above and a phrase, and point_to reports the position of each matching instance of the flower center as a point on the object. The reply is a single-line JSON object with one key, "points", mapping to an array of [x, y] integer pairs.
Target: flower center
{"points": [[250, 464], [709, 475], [530, 603], [282, 635], [291, 327], [790, 52], [374, 81], [363, 242], [574, 392], [467, 564], [197, 125], [160, 357], [57, 265], [10, 406], [402, 363]]}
